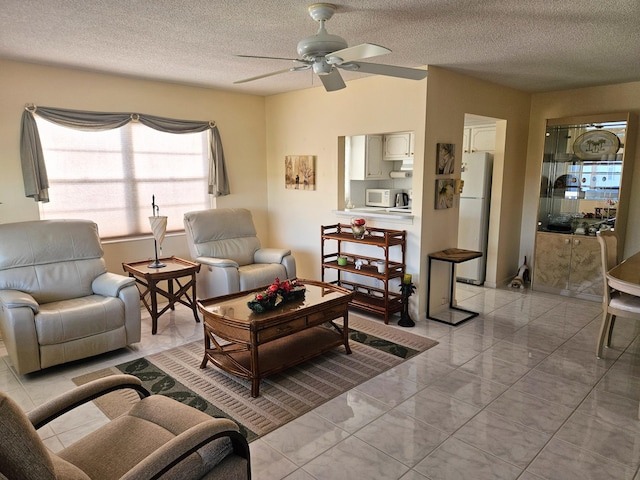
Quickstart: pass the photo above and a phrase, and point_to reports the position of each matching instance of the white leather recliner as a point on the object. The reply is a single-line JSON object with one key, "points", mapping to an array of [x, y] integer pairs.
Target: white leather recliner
{"points": [[58, 303], [224, 242]]}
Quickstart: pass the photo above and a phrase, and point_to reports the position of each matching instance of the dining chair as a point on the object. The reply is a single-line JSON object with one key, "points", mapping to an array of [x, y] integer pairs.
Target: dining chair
{"points": [[614, 303]]}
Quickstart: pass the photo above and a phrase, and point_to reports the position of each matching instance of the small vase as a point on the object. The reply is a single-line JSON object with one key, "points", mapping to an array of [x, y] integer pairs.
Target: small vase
{"points": [[358, 227]]}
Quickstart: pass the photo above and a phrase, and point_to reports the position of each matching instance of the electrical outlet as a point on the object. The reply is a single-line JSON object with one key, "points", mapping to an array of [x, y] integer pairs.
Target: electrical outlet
{"points": [[443, 301]]}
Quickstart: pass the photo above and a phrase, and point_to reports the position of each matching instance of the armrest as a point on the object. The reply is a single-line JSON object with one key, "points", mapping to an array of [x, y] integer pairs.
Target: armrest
{"points": [[183, 445], [270, 255], [16, 299], [109, 284], [217, 262], [66, 402]]}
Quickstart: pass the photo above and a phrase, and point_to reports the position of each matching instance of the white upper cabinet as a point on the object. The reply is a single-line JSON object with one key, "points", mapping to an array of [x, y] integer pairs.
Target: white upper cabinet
{"points": [[365, 158], [398, 146], [479, 139]]}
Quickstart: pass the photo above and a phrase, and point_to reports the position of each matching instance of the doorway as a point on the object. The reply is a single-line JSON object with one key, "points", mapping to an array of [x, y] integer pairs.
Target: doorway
{"points": [[483, 157]]}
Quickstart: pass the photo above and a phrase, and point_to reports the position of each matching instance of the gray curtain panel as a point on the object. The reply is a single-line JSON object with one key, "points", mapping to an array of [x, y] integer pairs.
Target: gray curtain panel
{"points": [[34, 170]]}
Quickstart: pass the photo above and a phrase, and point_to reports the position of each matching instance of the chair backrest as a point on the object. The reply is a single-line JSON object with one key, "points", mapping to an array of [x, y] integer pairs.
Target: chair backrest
{"points": [[608, 241], [22, 452], [222, 233], [50, 259]]}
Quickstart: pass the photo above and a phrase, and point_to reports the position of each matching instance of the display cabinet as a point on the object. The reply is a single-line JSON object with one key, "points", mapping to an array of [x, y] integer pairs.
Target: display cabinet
{"points": [[585, 187], [366, 265]]}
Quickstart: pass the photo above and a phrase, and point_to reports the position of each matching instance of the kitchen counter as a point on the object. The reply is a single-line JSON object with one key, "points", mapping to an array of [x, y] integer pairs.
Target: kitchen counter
{"points": [[377, 212]]}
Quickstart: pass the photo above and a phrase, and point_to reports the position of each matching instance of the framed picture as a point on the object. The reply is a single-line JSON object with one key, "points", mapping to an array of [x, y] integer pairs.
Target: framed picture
{"points": [[445, 158], [300, 172], [444, 193]]}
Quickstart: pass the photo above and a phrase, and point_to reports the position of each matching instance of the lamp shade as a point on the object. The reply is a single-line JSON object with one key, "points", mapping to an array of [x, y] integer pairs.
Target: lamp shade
{"points": [[158, 227]]}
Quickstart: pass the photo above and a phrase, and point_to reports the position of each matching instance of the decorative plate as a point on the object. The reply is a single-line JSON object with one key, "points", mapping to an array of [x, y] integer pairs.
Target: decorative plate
{"points": [[595, 144]]}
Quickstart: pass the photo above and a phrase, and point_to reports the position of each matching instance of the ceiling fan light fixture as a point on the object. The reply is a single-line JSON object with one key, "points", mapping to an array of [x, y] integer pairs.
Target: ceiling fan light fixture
{"points": [[321, 67]]}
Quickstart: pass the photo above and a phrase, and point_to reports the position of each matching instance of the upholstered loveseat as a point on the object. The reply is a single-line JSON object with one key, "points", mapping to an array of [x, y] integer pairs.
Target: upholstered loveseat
{"points": [[225, 242], [57, 301]]}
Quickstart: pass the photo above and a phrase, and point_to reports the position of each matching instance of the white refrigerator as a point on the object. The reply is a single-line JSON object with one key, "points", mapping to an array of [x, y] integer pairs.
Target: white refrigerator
{"points": [[473, 224]]}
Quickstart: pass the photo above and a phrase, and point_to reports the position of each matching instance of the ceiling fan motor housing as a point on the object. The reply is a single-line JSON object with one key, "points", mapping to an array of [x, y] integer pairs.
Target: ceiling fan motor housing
{"points": [[323, 42], [320, 44]]}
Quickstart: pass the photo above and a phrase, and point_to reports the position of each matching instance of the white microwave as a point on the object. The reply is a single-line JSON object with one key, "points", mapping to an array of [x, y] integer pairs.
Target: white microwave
{"points": [[381, 197]]}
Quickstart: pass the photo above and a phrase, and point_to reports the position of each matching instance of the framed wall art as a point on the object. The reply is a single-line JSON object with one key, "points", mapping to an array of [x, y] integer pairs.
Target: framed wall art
{"points": [[445, 158], [444, 193], [300, 172]]}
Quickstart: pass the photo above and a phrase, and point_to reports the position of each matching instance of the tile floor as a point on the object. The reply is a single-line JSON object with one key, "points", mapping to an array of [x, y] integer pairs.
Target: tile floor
{"points": [[515, 393]]}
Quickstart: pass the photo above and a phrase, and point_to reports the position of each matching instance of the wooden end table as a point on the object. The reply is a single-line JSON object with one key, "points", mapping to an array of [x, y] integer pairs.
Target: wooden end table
{"points": [[147, 280], [263, 344], [453, 256]]}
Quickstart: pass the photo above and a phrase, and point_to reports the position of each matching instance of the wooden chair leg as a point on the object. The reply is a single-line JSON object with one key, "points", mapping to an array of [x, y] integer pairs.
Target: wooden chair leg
{"points": [[604, 332]]}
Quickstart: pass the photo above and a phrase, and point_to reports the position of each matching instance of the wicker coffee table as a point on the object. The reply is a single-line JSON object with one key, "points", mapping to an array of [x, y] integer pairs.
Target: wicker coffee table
{"points": [[262, 344]]}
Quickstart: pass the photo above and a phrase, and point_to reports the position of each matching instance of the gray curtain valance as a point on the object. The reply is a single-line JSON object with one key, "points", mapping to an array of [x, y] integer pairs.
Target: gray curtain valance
{"points": [[34, 172]]}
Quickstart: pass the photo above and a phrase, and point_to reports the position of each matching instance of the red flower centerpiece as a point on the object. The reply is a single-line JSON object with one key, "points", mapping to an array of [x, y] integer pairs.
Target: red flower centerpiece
{"points": [[358, 227], [275, 294]]}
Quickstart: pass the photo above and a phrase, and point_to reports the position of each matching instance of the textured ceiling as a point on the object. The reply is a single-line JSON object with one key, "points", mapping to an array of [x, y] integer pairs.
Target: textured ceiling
{"points": [[533, 45]]}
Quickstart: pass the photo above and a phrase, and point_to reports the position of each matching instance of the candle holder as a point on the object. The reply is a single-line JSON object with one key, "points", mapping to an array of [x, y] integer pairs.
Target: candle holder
{"points": [[406, 289], [159, 228]]}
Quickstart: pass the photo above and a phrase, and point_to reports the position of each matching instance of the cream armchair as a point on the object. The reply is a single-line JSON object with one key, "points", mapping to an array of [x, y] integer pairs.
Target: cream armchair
{"points": [[224, 241], [57, 301]]}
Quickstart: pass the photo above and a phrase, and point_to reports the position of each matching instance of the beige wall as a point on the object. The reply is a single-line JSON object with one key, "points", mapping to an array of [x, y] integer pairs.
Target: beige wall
{"points": [[240, 119], [584, 101], [449, 97], [310, 122]]}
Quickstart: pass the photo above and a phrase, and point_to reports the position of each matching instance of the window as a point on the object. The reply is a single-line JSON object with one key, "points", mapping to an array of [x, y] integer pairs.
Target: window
{"points": [[111, 176]]}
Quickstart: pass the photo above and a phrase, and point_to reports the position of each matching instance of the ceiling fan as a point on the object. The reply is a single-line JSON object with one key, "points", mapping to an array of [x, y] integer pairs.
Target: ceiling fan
{"points": [[326, 53]]}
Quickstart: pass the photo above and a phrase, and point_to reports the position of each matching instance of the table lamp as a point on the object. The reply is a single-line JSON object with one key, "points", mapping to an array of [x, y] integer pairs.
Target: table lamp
{"points": [[159, 228]]}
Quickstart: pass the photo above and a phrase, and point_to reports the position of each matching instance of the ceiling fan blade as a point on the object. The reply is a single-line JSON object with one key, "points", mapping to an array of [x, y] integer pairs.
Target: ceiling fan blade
{"points": [[333, 81], [264, 75], [389, 70], [364, 50], [269, 58]]}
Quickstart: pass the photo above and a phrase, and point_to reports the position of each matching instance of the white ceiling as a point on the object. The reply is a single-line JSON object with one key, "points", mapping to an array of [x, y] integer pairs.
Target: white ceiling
{"points": [[532, 45]]}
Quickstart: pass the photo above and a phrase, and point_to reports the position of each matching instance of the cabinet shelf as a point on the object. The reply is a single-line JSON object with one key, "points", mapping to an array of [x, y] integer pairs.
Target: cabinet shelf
{"points": [[369, 298], [394, 270]]}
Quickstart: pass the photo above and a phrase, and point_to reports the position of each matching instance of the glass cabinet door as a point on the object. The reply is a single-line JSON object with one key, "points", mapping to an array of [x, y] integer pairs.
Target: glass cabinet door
{"points": [[581, 176]]}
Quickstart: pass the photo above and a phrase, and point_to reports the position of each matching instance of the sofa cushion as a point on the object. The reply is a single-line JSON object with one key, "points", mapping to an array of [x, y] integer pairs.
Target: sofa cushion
{"points": [[148, 427], [260, 274], [237, 240], [50, 260], [59, 322], [53, 281], [40, 242]]}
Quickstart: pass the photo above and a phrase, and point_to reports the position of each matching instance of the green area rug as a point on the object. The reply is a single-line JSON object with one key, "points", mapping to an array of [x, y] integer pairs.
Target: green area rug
{"points": [[283, 397]]}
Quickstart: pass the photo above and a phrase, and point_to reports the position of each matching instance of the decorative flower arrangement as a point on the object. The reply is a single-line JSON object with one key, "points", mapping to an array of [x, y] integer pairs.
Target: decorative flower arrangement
{"points": [[275, 294], [358, 227]]}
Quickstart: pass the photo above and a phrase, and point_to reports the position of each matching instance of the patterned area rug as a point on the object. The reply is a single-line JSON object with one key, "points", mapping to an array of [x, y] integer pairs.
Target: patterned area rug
{"points": [[283, 397]]}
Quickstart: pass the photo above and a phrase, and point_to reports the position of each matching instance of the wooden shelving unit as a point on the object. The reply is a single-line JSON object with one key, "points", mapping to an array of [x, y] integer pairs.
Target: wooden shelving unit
{"points": [[377, 300]]}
